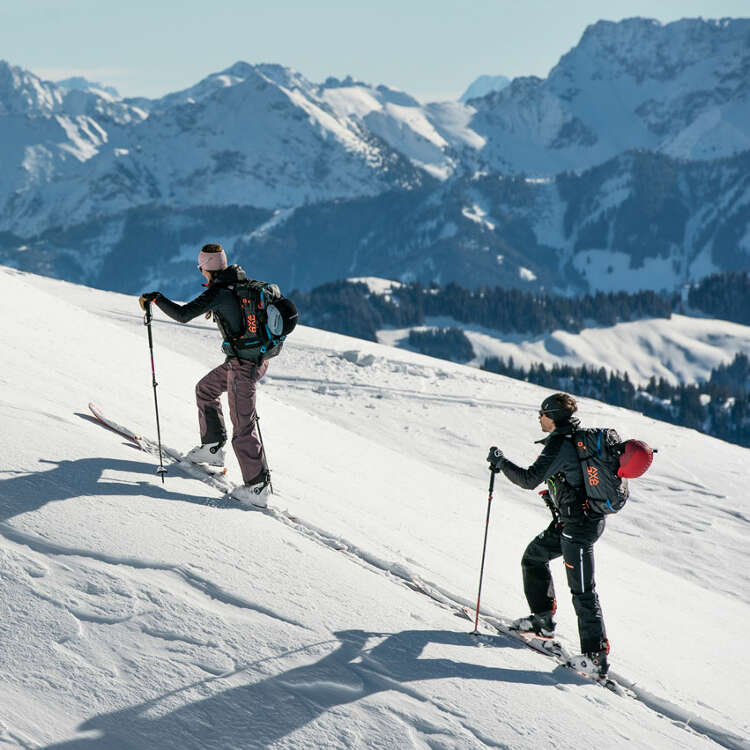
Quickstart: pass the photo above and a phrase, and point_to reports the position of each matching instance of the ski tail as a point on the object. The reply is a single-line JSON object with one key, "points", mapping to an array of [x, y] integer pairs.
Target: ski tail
{"points": [[118, 428]]}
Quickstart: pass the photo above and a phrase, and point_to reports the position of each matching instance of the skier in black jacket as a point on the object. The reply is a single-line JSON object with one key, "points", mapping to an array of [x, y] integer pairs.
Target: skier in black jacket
{"points": [[237, 377], [572, 534]]}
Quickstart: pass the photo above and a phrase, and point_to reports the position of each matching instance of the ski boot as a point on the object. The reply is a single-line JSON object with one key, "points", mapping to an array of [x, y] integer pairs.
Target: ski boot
{"points": [[592, 663], [539, 623], [210, 455], [254, 493]]}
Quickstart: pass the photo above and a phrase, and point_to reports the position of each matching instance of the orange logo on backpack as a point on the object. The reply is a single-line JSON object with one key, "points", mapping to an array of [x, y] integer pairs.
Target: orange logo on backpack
{"points": [[593, 473], [251, 326]]}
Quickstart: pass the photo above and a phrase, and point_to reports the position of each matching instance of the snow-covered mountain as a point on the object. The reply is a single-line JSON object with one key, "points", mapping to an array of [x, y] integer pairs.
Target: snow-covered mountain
{"points": [[48, 134], [137, 614], [253, 135], [679, 88], [484, 85], [324, 181], [79, 83], [640, 221], [23, 93]]}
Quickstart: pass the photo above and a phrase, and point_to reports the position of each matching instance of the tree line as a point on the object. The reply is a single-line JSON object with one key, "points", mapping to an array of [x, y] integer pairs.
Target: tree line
{"points": [[723, 295], [718, 407], [350, 308], [444, 343]]}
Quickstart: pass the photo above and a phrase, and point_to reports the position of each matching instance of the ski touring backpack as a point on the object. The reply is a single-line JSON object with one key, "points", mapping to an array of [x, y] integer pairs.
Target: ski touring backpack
{"points": [[268, 318], [607, 463]]}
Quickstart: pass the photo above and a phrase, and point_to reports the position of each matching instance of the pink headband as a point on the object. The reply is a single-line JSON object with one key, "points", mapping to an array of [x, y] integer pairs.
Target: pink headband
{"points": [[212, 261]]}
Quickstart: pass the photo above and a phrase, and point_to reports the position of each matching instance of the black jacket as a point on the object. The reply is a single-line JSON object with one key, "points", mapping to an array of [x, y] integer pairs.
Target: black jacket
{"points": [[557, 465], [217, 299]]}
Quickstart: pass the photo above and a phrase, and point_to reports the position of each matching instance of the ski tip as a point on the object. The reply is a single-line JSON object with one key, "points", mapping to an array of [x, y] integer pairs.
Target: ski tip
{"points": [[610, 684]]}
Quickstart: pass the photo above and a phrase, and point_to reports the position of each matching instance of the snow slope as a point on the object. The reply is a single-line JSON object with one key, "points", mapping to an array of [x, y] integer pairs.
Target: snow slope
{"points": [[141, 615], [682, 349]]}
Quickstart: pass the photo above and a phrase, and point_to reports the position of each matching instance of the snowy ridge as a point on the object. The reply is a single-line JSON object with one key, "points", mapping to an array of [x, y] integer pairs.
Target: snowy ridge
{"points": [[157, 607], [674, 88], [260, 132], [79, 83], [48, 133], [681, 349]]}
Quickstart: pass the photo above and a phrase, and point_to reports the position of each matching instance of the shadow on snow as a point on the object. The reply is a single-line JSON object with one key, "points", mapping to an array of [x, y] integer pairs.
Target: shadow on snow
{"points": [[268, 708]]}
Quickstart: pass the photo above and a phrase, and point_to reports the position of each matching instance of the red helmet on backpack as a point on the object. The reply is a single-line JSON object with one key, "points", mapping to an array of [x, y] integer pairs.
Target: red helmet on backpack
{"points": [[635, 459]]}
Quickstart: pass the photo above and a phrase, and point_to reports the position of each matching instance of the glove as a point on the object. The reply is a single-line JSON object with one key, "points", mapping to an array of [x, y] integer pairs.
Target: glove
{"points": [[146, 299], [496, 459]]}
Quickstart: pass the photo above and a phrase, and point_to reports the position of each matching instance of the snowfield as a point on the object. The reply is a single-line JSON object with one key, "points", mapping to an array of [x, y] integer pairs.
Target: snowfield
{"points": [[137, 614], [682, 349]]}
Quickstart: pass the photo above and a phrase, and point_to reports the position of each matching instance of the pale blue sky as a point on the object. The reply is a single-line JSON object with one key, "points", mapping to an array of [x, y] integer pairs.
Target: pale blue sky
{"points": [[431, 48]]}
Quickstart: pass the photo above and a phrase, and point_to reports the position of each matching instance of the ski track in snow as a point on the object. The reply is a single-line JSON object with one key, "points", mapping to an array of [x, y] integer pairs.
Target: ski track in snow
{"points": [[403, 575], [143, 633]]}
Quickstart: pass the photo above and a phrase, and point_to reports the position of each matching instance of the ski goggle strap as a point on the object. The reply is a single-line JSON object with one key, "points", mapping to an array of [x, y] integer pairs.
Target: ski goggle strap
{"points": [[551, 408]]}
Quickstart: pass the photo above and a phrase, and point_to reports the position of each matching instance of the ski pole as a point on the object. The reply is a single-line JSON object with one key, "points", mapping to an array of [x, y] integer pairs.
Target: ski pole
{"points": [[147, 322], [263, 448], [484, 551]]}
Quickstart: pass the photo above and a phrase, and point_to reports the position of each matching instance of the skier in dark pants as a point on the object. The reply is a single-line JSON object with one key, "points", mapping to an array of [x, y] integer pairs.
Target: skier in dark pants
{"points": [[572, 534], [237, 377]]}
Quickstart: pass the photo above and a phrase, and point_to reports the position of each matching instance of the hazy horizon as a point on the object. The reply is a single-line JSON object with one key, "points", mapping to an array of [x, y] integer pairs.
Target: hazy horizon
{"points": [[432, 50]]}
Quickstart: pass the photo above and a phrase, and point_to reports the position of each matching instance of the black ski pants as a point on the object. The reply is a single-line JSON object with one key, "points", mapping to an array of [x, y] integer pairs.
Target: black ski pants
{"points": [[575, 543]]}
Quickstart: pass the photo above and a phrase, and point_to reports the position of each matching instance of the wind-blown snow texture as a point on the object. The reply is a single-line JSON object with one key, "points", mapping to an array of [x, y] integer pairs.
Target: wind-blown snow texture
{"points": [[138, 615]]}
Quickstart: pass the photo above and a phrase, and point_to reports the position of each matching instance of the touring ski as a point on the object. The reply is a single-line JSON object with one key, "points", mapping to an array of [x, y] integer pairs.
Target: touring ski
{"points": [[213, 476], [548, 646]]}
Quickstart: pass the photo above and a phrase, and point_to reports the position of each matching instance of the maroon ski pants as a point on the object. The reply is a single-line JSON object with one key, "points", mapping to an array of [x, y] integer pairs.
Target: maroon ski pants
{"points": [[237, 378]]}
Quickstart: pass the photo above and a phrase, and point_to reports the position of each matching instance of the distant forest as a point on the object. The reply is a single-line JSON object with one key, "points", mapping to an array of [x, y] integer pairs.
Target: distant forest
{"points": [[719, 407], [350, 308], [724, 295]]}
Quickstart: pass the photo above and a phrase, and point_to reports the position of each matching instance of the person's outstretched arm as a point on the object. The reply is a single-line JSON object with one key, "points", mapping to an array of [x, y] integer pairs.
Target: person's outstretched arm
{"points": [[184, 313]]}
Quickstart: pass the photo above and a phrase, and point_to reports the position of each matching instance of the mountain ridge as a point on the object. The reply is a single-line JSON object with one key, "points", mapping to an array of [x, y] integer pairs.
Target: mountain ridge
{"points": [[624, 117]]}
